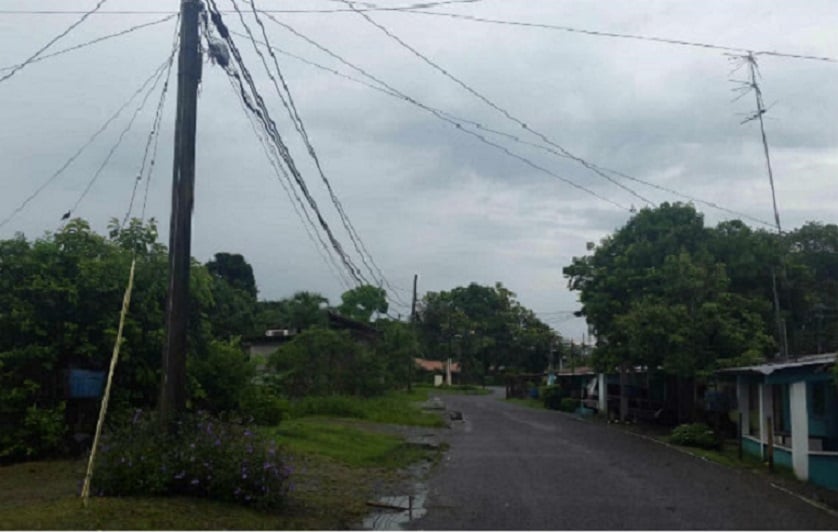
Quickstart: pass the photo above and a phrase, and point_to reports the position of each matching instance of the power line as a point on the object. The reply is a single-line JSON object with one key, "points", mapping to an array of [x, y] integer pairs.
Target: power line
{"points": [[83, 147], [444, 118], [371, 7], [294, 198], [95, 41], [120, 138], [384, 88], [261, 112], [150, 151], [597, 33], [291, 108], [288, 102], [55, 39], [492, 104]]}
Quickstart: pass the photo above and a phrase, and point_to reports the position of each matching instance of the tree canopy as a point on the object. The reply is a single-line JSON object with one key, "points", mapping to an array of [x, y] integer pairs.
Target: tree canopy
{"points": [[666, 291]]}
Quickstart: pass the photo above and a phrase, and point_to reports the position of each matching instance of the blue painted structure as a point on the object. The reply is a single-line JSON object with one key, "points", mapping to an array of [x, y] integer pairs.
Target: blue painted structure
{"points": [[801, 399]]}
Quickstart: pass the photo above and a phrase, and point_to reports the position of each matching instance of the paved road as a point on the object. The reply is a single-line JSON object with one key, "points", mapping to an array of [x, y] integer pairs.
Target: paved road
{"points": [[511, 467]]}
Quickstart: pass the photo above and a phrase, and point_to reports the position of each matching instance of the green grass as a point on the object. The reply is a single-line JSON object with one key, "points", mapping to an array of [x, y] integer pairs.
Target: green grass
{"points": [[397, 408], [339, 464], [346, 444]]}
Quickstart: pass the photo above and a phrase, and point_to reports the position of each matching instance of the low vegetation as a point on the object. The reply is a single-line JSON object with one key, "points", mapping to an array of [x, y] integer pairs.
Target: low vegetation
{"points": [[694, 435], [329, 465]]}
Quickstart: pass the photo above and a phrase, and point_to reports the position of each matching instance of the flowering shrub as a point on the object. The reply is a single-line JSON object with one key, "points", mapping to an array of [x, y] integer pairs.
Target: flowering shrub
{"points": [[203, 457]]}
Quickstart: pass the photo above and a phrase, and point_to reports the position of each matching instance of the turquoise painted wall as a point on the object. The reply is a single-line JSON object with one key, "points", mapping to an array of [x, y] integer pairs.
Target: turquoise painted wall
{"points": [[751, 447], [782, 457], [823, 471]]}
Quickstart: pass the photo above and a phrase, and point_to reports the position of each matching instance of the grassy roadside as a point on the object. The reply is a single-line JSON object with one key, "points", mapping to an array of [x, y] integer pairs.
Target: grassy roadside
{"points": [[339, 462]]}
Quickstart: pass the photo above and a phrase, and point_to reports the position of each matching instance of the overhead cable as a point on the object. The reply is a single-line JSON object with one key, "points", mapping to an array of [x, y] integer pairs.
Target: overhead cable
{"points": [[54, 40], [454, 123], [260, 110], [119, 140], [293, 113], [384, 88], [96, 40], [597, 33], [369, 7], [83, 147], [150, 151], [490, 103], [293, 197]]}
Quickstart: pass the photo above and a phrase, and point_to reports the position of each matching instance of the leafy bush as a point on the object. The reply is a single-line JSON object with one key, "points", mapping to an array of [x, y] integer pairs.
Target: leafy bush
{"points": [[40, 433], [223, 373], [262, 406], [552, 397], [331, 405], [694, 435], [568, 404], [203, 457], [323, 362]]}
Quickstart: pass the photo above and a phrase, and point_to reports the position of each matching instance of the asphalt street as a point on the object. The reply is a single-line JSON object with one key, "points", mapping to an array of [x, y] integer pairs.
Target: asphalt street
{"points": [[513, 467]]}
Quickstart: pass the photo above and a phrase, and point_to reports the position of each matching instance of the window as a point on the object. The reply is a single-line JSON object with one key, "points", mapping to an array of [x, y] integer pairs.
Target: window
{"points": [[779, 403], [818, 390]]}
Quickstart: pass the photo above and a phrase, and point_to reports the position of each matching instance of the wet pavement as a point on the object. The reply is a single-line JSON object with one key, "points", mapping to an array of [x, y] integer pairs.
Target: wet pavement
{"points": [[512, 467]]}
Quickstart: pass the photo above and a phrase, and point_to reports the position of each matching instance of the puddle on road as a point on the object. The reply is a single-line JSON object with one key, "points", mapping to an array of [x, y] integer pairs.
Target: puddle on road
{"points": [[396, 511]]}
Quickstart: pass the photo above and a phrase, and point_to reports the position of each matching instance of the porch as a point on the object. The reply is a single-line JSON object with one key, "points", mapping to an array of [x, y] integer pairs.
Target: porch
{"points": [[791, 408]]}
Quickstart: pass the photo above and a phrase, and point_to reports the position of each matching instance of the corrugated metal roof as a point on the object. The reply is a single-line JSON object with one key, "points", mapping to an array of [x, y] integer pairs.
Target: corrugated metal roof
{"points": [[770, 367]]}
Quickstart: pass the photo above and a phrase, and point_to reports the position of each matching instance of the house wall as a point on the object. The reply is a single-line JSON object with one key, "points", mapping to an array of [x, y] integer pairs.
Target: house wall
{"points": [[823, 470], [783, 457], [752, 447]]}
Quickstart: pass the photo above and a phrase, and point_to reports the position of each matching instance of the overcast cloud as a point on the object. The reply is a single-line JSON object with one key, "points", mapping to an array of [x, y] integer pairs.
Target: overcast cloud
{"points": [[425, 197]]}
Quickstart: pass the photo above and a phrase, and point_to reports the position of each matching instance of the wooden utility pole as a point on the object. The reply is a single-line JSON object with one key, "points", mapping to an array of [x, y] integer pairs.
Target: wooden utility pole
{"points": [[413, 325], [173, 388]]}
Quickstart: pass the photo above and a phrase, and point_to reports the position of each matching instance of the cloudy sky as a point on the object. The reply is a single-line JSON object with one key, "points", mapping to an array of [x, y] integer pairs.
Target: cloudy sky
{"points": [[424, 196]]}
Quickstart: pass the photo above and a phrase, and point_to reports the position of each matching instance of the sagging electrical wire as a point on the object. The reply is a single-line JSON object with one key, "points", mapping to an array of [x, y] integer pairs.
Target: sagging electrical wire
{"points": [[84, 146], [385, 88], [258, 108], [95, 41], [288, 102], [44, 48]]}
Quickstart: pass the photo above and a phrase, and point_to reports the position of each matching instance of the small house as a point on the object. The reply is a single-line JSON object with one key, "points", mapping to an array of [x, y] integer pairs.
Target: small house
{"points": [[792, 406], [444, 372]]}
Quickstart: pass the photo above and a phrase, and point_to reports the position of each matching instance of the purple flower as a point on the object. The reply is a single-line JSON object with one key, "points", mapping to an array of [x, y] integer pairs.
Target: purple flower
{"points": [[180, 475], [247, 433], [244, 475], [137, 414], [195, 482], [217, 442]]}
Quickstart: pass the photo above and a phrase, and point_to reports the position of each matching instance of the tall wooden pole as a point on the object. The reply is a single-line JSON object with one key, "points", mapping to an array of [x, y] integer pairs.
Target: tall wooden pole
{"points": [[413, 325], [173, 388]]}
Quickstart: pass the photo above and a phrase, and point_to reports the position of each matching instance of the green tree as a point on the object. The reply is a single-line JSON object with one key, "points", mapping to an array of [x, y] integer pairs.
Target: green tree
{"points": [[656, 294], [484, 327], [232, 268], [362, 302]]}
